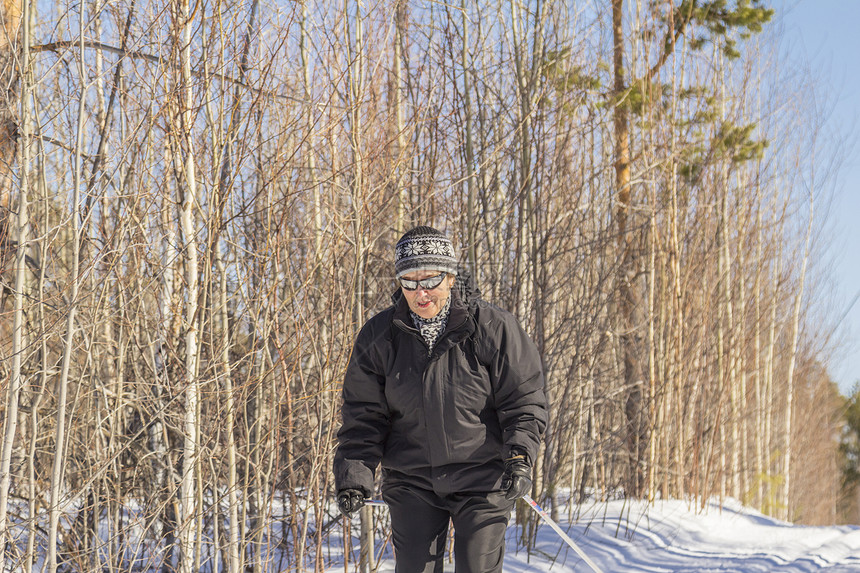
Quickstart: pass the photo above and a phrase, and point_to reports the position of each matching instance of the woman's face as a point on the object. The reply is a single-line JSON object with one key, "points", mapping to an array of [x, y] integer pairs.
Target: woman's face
{"points": [[427, 303]]}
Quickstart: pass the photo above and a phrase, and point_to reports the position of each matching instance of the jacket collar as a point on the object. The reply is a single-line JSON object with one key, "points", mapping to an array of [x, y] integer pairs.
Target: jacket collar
{"points": [[460, 321]]}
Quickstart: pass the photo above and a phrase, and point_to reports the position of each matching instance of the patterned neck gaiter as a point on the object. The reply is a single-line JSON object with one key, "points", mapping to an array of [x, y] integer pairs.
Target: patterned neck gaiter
{"points": [[432, 328]]}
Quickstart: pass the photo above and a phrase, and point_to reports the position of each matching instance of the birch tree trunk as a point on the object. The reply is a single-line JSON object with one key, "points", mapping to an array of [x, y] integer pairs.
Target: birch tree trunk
{"points": [[63, 383], [771, 506], [738, 360], [469, 148], [355, 66], [234, 553], [792, 360], [758, 365], [188, 197], [402, 191]]}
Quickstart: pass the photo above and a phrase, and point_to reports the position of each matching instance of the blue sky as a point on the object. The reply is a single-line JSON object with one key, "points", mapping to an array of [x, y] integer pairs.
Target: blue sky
{"points": [[825, 35]]}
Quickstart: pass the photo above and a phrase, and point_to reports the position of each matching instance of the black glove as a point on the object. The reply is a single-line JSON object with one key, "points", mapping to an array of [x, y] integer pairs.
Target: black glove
{"points": [[349, 501], [517, 479]]}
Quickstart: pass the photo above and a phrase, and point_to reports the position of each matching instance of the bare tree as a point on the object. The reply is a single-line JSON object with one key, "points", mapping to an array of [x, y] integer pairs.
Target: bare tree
{"points": [[206, 205]]}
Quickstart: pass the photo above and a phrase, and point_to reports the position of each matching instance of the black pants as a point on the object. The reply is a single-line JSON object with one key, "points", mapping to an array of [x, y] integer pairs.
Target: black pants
{"points": [[419, 524]]}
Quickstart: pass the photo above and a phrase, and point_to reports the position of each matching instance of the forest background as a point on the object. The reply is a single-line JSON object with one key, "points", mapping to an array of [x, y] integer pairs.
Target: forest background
{"points": [[199, 205]]}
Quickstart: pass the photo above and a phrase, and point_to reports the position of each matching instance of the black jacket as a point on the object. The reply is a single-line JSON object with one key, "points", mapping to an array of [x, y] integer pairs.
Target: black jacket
{"points": [[445, 420]]}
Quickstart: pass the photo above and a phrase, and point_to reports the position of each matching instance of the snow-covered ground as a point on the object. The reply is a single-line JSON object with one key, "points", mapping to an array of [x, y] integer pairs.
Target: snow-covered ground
{"points": [[670, 536]]}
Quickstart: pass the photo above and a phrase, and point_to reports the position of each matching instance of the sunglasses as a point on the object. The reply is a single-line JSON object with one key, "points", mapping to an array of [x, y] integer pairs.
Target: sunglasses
{"points": [[427, 284]]}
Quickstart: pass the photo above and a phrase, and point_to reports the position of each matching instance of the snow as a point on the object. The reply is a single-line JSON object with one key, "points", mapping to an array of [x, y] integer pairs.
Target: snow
{"points": [[672, 536], [618, 536]]}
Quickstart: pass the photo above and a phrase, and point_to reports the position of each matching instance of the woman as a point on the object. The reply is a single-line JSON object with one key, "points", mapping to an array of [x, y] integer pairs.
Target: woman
{"points": [[446, 392]]}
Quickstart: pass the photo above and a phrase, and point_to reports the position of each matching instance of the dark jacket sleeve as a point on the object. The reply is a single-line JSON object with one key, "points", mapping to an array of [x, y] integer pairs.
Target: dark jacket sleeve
{"points": [[516, 372], [362, 435]]}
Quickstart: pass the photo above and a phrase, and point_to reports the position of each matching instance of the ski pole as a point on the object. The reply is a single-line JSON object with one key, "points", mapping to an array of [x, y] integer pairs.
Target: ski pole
{"points": [[561, 533]]}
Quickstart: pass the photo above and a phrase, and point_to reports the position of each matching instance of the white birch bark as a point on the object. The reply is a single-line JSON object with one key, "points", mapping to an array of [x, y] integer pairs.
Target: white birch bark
{"points": [[792, 361], [59, 460], [769, 371], [738, 359], [356, 67], [187, 489], [36, 400], [469, 148], [234, 556], [402, 190], [655, 431], [758, 420]]}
